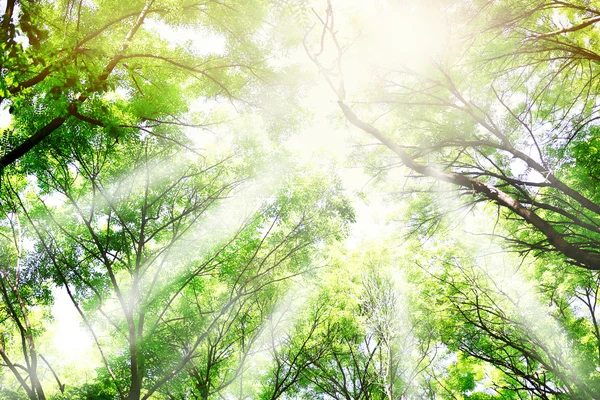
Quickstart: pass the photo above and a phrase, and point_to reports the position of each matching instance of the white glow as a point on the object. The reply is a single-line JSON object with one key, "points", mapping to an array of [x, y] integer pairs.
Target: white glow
{"points": [[405, 35], [274, 333], [68, 346], [198, 41], [70, 339], [520, 300], [5, 118]]}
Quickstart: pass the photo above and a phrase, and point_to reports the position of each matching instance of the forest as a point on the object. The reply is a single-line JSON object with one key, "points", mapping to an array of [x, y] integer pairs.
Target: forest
{"points": [[299, 199]]}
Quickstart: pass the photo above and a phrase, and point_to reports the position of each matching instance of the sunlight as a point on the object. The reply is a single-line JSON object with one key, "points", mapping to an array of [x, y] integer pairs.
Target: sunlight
{"points": [[5, 118], [386, 36], [404, 35], [69, 338], [305, 199], [192, 39], [522, 300], [274, 331], [68, 345], [408, 358]]}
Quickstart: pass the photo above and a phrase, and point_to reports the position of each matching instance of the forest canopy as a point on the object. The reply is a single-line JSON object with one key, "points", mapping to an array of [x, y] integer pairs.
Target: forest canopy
{"points": [[299, 199]]}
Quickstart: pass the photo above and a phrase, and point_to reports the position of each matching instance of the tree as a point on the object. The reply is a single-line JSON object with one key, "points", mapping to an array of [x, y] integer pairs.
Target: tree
{"points": [[20, 294], [508, 116], [99, 102], [501, 115], [502, 333], [181, 262], [129, 247], [73, 71], [355, 339]]}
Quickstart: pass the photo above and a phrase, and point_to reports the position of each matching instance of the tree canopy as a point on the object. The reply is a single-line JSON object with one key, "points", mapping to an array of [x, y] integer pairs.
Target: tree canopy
{"points": [[154, 186]]}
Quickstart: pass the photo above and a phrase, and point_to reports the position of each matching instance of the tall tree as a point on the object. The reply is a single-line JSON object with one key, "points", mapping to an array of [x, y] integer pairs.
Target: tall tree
{"points": [[100, 95], [77, 71], [147, 257], [21, 294], [354, 339], [507, 114], [501, 115]]}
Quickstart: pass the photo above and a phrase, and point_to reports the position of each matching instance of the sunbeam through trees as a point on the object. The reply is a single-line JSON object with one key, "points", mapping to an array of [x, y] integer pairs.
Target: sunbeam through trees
{"points": [[299, 199]]}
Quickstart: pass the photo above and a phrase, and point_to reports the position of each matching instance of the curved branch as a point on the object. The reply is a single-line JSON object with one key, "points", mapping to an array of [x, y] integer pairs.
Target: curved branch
{"points": [[581, 257]]}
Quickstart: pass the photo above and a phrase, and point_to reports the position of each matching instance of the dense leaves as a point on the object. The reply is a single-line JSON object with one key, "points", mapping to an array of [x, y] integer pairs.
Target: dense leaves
{"points": [[208, 269]]}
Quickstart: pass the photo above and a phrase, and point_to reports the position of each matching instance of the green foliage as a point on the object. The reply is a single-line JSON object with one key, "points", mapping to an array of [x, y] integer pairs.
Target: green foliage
{"points": [[220, 272]]}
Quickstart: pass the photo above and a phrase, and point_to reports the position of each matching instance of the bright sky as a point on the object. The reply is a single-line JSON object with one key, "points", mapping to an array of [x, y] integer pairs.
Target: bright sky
{"points": [[5, 118]]}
